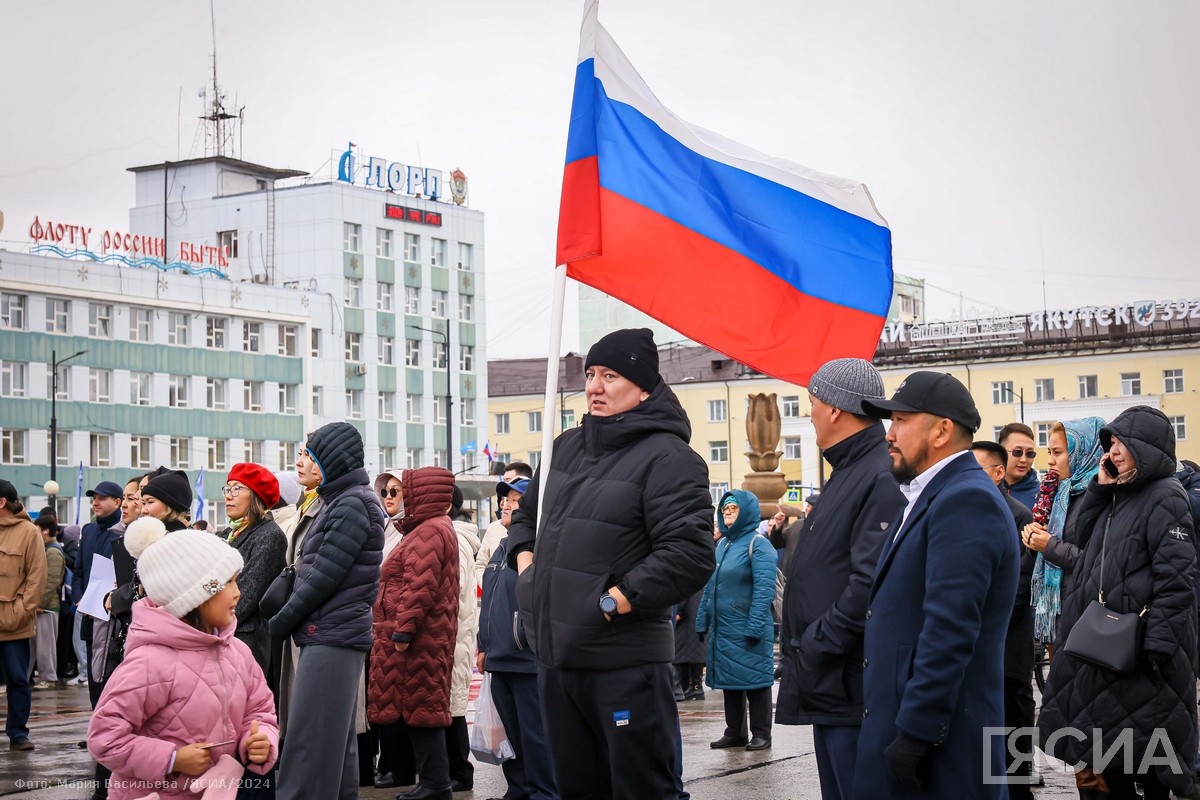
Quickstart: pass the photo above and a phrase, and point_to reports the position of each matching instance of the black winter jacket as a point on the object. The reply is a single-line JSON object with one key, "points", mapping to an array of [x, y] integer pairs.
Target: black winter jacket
{"points": [[627, 505], [501, 630], [829, 581], [337, 572], [263, 554], [1018, 645], [1149, 563]]}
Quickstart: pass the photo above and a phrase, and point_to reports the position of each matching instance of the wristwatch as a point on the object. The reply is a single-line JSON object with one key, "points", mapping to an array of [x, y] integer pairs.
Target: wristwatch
{"points": [[608, 604]]}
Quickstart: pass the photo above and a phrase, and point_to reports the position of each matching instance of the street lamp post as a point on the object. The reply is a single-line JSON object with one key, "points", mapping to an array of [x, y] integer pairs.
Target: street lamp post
{"points": [[54, 365], [449, 394]]}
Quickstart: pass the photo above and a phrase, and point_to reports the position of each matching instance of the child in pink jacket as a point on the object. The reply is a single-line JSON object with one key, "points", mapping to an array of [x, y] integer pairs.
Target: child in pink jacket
{"points": [[189, 700]]}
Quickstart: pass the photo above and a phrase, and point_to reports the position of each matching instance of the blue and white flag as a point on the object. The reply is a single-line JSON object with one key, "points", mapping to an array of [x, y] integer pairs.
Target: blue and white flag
{"points": [[469, 447], [200, 495], [78, 492]]}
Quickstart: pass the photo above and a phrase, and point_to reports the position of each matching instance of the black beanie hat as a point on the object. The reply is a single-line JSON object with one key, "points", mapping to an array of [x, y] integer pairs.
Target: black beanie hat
{"points": [[173, 488], [629, 352]]}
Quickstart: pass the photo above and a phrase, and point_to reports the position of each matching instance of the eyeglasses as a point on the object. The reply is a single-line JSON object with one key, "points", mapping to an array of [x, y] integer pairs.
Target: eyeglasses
{"points": [[729, 508], [386, 493], [231, 491], [1019, 453]]}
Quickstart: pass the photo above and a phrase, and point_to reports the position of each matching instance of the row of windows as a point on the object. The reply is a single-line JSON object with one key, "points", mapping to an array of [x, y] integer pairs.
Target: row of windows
{"points": [[352, 243], [717, 412], [384, 299], [386, 407], [386, 352], [1088, 385], [184, 454]]}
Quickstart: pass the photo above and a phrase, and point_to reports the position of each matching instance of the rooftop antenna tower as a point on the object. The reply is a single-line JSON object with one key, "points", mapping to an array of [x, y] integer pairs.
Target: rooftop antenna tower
{"points": [[222, 133]]}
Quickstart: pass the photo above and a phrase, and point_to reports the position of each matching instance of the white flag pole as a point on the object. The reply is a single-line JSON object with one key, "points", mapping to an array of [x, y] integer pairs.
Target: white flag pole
{"points": [[552, 368]]}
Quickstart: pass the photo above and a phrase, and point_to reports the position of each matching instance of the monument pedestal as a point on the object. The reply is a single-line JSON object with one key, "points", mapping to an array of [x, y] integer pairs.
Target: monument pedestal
{"points": [[768, 487]]}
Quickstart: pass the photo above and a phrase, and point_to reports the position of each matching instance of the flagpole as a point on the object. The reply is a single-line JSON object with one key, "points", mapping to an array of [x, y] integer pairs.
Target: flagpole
{"points": [[556, 324]]}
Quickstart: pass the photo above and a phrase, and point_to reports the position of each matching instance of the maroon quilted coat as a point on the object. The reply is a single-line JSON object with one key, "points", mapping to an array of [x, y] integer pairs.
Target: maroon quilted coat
{"points": [[418, 603]]}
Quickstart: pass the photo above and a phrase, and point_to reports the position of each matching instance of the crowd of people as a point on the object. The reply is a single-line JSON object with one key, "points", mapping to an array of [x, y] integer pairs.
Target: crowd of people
{"points": [[327, 637]]}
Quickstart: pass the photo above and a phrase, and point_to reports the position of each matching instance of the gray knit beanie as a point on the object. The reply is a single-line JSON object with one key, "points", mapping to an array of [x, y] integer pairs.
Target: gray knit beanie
{"points": [[845, 382]]}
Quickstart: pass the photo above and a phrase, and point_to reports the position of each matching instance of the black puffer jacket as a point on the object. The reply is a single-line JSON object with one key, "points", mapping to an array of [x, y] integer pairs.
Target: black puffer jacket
{"points": [[337, 573], [829, 582], [627, 505], [1149, 562]]}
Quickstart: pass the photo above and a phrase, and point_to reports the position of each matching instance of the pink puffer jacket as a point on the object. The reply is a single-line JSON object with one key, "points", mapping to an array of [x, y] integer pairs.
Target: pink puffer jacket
{"points": [[177, 686]]}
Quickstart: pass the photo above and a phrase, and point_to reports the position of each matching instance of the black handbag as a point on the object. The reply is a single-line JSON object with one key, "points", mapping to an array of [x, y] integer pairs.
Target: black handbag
{"points": [[1108, 639], [277, 594]]}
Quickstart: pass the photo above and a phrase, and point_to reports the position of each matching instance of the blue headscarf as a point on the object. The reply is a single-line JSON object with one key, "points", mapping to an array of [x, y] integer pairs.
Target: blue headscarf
{"points": [[1083, 457]]}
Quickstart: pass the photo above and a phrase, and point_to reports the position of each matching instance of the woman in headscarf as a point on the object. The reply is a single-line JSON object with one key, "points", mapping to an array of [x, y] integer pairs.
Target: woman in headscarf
{"points": [[1075, 454]]}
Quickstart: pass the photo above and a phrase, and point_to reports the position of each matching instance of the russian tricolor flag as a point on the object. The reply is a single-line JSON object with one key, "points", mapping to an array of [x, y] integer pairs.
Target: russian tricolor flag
{"points": [[773, 264]]}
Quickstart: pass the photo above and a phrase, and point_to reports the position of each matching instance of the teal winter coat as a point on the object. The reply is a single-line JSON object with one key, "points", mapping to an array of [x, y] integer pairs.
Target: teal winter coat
{"points": [[735, 610]]}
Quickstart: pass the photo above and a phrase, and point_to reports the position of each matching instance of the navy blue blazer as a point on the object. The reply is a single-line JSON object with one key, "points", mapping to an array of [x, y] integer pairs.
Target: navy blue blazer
{"points": [[934, 641]]}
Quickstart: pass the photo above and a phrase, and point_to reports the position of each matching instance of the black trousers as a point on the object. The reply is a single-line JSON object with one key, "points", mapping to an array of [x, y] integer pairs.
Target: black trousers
{"points": [[95, 687], [458, 751], [530, 774], [1018, 713], [1120, 787], [429, 749], [759, 701], [611, 732]]}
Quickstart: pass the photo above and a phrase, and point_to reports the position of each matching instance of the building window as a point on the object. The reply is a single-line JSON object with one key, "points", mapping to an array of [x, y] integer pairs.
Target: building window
{"points": [[501, 458], [568, 418], [314, 342], [316, 401], [387, 458], [12, 446], [139, 388], [466, 407], [100, 449], [252, 396], [383, 296], [139, 452], [177, 391], [465, 256], [100, 385], [1043, 390], [441, 355], [1131, 384], [177, 328], [535, 458], [718, 411], [354, 403], [218, 453], [216, 331], [100, 320], [466, 358], [12, 379], [12, 311], [252, 334], [412, 353], [412, 248], [353, 292], [387, 350], [441, 405], [181, 447], [62, 453], [1041, 432], [383, 243], [387, 406], [501, 423], [412, 300], [288, 336], [141, 324], [439, 303], [228, 242], [64, 383], [413, 404], [252, 452], [791, 448], [718, 452], [717, 491], [351, 237], [791, 405], [1002, 393], [217, 394], [287, 456], [412, 458], [58, 315], [1088, 387], [1172, 381], [437, 252], [996, 432], [353, 346], [533, 421], [466, 307], [289, 398], [1180, 426]]}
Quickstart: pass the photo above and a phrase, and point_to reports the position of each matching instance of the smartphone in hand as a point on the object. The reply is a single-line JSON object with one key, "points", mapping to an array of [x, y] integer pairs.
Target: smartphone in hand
{"points": [[1109, 466]]}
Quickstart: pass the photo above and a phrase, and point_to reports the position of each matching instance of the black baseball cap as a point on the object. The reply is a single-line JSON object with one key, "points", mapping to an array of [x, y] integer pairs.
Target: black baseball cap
{"points": [[937, 393], [9, 492], [107, 489]]}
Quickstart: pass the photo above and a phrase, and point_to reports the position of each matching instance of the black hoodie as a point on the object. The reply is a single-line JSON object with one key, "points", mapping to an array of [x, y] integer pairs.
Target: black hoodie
{"points": [[627, 505]]}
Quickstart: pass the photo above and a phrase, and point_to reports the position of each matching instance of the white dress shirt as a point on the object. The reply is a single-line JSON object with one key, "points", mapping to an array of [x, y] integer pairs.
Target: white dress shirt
{"points": [[912, 490]]}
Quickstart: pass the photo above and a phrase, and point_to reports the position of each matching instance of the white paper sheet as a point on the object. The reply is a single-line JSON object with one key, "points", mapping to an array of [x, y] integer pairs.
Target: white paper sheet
{"points": [[101, 581]]}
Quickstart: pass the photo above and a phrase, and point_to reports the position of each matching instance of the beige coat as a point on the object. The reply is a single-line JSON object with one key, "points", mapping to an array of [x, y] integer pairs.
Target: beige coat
{"points": [[468, 617], [22, 576], [492, 537]]}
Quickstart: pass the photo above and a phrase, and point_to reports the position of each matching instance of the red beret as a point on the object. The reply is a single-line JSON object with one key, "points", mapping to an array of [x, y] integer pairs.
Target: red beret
{"points": [[259, 480]]}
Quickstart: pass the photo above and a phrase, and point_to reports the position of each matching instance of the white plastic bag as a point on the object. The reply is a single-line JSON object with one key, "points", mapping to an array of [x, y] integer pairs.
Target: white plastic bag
{"points": [[489, 742]]}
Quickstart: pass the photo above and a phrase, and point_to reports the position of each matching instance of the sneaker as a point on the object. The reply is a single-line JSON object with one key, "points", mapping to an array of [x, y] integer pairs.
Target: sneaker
{"points": [[80, 681], [20, 743], [42, 686]]}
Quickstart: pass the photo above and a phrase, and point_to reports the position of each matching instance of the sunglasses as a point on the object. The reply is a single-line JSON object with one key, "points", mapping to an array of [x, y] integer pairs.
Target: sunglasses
{"points": [[386, 493], [1019, 453]]}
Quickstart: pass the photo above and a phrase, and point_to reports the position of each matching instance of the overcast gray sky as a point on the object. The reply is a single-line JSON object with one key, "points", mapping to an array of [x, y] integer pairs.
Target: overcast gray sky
{"points": [[1006, 143]]}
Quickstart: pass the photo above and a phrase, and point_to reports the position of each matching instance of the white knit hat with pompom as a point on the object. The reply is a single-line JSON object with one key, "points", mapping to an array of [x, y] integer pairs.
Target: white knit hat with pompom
{"points": [[180, 570]]}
